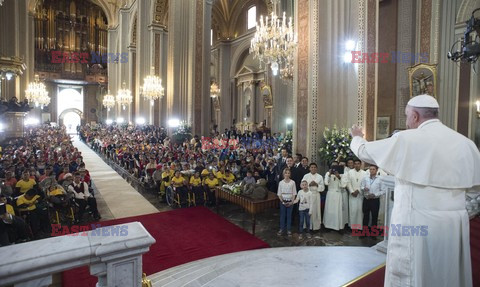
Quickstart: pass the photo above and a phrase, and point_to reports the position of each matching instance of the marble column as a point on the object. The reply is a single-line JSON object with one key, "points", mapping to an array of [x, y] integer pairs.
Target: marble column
{"points": [[253, 100], [204, 97], [145, 56], [371, 70], [112, 67], [301, 80], [159, 62], [405, 44], [181, 59], [16, 40], [225, 121]]}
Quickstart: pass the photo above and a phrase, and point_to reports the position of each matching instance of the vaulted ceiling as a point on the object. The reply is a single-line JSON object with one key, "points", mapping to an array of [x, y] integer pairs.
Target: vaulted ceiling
{"points": [[226, 13]]}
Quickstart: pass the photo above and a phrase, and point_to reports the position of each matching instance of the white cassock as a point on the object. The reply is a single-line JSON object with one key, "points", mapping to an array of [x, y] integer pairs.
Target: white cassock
{"points": [[355, 203], [433, 167], [316, 217], [345, 203], [333, 214]]}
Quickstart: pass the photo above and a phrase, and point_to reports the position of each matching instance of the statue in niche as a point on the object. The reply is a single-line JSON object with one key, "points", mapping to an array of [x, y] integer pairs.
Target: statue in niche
{"points": [[248, 108]]}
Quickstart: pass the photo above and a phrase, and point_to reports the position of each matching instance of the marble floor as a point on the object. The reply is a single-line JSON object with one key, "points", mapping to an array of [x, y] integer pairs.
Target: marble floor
{"points": [[288, 266]]}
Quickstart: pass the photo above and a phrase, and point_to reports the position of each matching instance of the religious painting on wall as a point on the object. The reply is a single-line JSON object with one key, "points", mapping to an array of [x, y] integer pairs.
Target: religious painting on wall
{"points": [[423, 78], [383, 127]]}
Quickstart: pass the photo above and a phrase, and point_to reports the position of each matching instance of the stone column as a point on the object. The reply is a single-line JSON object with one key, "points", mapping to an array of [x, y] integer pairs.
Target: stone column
{"points": [[181, 59], [301, 81], [405, 44], [371, 69], [112, 67], [159, 55], [204, 97], [144, 61], [16, 40], [253, 101], [225, 122]]}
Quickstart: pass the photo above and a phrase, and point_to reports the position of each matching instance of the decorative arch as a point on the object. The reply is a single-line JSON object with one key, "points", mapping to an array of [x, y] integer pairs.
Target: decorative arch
{"points": [[109, 8], [160, 12], [240, 53], [71, 110], [133, 29], [466, 9]]}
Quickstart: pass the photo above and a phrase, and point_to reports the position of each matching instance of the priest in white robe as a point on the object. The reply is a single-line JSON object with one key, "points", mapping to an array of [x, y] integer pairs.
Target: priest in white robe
{"points": [[316, 217], [433, 167], [333, 216], [355, 198]]}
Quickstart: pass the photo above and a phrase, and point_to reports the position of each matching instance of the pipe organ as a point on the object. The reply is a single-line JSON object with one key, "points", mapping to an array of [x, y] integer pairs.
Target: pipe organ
{"points": [[66, 30]]}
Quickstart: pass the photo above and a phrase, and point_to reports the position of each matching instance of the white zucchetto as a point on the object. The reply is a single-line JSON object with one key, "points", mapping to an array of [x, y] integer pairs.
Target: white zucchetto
{"points": [[423, 101]]}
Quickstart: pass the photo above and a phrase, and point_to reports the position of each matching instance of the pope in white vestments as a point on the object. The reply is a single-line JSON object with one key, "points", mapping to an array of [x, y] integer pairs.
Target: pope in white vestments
{"points": [[434, 166], [355, 177]]}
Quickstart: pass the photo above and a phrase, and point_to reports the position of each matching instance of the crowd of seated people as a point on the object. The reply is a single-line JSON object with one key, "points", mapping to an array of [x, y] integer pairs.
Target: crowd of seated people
{"points": [[149, 154], [193, 168], [41, 174]]}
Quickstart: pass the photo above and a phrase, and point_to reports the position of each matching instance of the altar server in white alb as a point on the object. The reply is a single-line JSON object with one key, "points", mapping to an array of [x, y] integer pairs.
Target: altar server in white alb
{"points": [[433, 167], [333, 216], [355, 177]]}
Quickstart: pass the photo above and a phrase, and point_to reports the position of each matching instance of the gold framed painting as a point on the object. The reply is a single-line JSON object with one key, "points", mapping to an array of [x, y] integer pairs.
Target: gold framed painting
{"points": [[423, 80], [383, 127]]}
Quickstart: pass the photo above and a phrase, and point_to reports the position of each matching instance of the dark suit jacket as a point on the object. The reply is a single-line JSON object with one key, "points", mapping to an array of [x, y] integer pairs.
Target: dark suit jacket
{"points": [[298, 173]]}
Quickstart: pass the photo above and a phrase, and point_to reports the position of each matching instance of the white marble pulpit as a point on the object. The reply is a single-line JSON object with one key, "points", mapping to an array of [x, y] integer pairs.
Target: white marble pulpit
{"points": [[388, 182]]}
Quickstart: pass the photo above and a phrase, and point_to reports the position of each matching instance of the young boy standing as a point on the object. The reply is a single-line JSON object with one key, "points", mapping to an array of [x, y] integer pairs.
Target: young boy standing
{"points": [[304, 208]]}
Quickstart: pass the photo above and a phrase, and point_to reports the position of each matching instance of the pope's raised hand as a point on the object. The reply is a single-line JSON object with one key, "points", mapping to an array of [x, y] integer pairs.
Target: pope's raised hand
{"points": [[356, 131]]}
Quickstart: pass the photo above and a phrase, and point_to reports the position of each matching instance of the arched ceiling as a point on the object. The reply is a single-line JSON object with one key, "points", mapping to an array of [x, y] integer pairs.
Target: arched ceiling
{"points": [[225, 15]]}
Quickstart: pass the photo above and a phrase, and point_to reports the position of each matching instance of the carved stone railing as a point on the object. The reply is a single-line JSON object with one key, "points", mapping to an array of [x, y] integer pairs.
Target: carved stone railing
{"points": [[114, 254]]}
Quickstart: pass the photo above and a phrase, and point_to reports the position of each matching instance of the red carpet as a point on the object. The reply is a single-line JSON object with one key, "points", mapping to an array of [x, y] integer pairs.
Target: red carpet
{"points": [[377, 278], [182, 235]]}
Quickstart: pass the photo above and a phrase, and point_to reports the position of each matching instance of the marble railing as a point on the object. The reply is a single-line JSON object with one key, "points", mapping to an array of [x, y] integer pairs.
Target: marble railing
{"points": [[114, 254]]}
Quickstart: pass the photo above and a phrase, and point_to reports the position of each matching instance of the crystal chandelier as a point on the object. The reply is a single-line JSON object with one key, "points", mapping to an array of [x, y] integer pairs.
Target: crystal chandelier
{"points": [[152, 87], [214, 90], [37, 93], [275, 41], [286, 73], [108, 101], [124, 96]]}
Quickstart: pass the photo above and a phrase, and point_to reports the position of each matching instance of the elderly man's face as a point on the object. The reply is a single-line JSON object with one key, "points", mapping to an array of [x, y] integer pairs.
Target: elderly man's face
{"points": [[412, 118]]}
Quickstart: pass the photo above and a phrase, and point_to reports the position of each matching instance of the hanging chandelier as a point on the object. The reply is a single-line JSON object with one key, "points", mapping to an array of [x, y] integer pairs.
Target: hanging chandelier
{"points": [[108, 101], [37, 93], [152, 87], [124, 96], [275, 41], [214, 90]]}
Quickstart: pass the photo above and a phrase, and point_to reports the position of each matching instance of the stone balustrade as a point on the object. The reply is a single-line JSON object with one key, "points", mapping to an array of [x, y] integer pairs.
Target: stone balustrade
{"points": [[114, 254]]}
